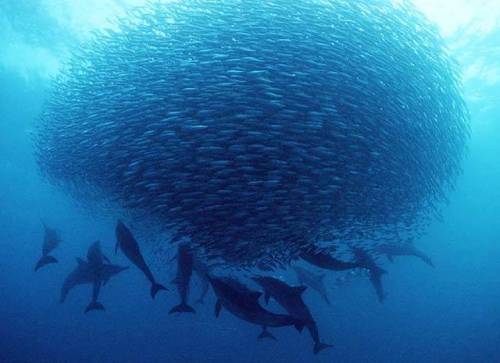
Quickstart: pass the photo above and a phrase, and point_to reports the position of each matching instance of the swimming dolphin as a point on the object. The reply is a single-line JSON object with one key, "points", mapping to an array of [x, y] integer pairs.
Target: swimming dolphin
{"points": [[183, 278], [375, 272], [85, 273], [129, 246], [95, 257], [312, 280], [406, 249], [95, 261], [290, 298], [202, 272], [326, 261], [51, 240], [243, 303]]}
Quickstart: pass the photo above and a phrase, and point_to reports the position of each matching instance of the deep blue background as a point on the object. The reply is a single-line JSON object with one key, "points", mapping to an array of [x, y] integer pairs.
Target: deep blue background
{"points": [[447, 314]]}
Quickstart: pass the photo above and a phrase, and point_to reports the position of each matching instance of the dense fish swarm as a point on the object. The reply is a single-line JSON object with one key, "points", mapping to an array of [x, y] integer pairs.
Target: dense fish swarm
{"points": [[257, 128]]}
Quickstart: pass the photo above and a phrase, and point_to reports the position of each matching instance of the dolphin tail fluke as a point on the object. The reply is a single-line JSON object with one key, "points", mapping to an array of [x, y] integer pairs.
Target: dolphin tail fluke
{"points": [[182, 308], [266, 335], [94, 305], [155, 288], [318, 347], [45, 260]]}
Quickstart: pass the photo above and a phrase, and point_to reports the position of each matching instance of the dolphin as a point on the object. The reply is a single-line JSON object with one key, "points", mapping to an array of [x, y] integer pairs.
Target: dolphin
{"points": [[312, 280], [80, 275], [243, 303], [51, 240], [129, 246], [95, 257], [375, 272], [85, 273], [326, 261], [202, 272], [406, 249], [183, 278], [290, 297]]}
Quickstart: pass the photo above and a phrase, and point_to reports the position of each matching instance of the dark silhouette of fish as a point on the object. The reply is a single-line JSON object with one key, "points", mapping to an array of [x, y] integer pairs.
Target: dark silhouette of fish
{"points": [[51, 240], [290, 298], [183, 278], [129, 246]]}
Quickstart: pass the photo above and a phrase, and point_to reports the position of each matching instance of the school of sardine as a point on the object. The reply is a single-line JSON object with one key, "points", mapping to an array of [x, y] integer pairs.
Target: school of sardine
{"points": [[259, 129]]}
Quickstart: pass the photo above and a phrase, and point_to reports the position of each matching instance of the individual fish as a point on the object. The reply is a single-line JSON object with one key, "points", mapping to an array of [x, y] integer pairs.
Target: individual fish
{"points": [[129, 246], [312, 280], [183, 278], [291, 299], [243, 303], [51, 240]]}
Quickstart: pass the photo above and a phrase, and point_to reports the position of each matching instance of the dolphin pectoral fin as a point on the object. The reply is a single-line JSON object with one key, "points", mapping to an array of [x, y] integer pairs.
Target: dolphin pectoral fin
{"points": [[105, 258], [155, 287], [318, 347], [265, 334], [45, 260], [94, 305], [218, 308], [182, 308]]}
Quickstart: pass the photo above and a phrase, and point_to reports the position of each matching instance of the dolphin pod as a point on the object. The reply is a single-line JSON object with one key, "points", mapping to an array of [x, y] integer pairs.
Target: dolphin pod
{"points": [[230, 291]]}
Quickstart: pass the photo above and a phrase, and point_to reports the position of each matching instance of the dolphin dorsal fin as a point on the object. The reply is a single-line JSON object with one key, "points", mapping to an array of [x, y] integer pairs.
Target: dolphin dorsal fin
{"points": [[299, 290]]}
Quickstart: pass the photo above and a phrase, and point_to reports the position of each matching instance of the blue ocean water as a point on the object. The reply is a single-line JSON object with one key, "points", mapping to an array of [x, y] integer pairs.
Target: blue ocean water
{"points": [[446, 314]]}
